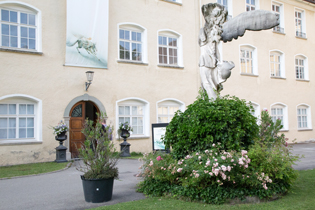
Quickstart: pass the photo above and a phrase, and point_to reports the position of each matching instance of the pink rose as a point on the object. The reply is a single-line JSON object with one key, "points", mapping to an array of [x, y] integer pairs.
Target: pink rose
{"points": [[159, 158]]}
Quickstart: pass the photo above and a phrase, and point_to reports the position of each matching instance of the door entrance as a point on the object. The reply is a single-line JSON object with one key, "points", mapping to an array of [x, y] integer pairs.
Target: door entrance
{"points": [[79, 113]]}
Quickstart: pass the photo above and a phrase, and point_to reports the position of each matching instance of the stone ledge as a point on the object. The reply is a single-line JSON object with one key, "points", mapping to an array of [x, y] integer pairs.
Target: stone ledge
{"points": [[302, 80], [6, 143], [20, 51], [283, 78], [170, 66], [250, 75], [173, 2], [132, 62]]}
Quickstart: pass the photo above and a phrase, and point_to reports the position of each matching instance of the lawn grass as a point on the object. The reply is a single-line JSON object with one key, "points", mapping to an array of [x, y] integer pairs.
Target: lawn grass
{"points": [[29, 169], [300, 197]]}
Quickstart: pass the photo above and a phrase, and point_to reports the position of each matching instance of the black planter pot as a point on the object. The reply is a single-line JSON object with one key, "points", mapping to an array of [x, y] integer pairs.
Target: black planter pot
{"points": [[124, 133], [62, 135], [97, 190]]}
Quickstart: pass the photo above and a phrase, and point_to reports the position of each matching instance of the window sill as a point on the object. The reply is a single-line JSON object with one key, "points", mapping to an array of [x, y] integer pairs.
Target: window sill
{"points": [[299, 37], [305, 129], [272, 77], [284, 130], [134, 137], [277, 32], [302, 80], [251, 75], [132, 62], [20, 51], [173, 2], [170, 66], [18, 142]]}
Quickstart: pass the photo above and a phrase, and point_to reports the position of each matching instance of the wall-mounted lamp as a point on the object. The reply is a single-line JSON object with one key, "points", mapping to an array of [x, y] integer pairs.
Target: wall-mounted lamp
{"points": [[89, 76]]}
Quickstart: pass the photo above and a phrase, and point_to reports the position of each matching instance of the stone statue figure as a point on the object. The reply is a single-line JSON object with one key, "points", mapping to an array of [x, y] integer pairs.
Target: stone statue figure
{"points": [[214, 71]]}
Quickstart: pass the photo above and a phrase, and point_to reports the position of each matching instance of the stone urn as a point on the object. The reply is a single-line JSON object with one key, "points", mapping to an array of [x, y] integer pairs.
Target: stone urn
{"points": [[61, 150], [125, 146]]}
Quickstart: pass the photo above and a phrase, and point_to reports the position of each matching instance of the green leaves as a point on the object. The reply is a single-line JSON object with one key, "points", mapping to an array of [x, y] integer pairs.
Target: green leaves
{"points": [[98, 152], [227, 120]]}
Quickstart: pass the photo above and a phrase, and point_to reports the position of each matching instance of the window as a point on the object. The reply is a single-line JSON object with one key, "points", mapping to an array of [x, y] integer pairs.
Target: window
{"points": [[277, 64], [228, 6], [300, 24], [169, 48], [134, 116], [19, 27], [304, 117], [132, 43], [136, 113], [278, 8], [277, 113], [166, 109], [256, 109], [248, 60], [19, 119], [280, 111], [301, 68], [251, 5]]}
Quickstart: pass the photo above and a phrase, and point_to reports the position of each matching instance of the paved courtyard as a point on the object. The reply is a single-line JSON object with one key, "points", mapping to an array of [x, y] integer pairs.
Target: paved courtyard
{"points": [[63, 189]]}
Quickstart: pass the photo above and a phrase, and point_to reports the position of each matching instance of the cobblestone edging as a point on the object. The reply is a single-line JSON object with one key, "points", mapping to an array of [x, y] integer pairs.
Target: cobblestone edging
{"points": [[15, 177]]}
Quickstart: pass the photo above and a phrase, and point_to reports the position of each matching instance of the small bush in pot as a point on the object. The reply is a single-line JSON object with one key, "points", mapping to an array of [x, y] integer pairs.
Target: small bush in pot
{"points": [[99, 158]]}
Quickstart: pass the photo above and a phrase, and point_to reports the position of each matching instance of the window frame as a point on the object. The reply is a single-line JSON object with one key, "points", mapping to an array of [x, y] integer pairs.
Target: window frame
{"points": [[229, 8], [280, 28], [171, 34], [302, 33], [305, 61], [169, 102], [285, 114], [256, 5], [133, 101], [133, 27], [282, 63], [308, 116], [24, 8], [254, 59], [256, 107], [24, 99]]}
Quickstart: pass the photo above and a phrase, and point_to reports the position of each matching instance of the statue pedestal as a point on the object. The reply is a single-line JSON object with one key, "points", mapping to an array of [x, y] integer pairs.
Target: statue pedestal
{"points": [[61, 151], [125, 149]]}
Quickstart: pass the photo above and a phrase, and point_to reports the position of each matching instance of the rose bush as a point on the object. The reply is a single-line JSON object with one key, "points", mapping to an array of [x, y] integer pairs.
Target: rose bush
{"points": [[211, 171]]}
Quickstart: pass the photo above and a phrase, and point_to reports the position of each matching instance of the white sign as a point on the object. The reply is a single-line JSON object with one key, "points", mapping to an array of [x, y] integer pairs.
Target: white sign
{"points": [[159, 132]]}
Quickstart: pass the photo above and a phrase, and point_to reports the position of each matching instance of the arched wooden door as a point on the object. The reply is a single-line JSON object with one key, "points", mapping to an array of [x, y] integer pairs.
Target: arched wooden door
{"points": [[79, 112]]}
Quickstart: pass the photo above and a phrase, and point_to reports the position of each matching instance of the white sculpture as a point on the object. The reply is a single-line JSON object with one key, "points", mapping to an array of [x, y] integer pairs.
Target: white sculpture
{"points": [[214, 71]]}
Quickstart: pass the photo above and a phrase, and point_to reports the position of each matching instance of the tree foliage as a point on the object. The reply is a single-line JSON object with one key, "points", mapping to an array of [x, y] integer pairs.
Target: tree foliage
{"points": [[227, 120]]}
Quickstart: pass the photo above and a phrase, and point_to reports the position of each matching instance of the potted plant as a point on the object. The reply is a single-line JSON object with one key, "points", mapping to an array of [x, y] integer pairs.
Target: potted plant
{"points": [[100, 162], [124, 129], [61, 129]]}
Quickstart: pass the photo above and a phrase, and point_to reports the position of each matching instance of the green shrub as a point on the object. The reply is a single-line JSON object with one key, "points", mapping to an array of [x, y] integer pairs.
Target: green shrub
{"points": [[98, 153], [227, 120], [271, 154]]}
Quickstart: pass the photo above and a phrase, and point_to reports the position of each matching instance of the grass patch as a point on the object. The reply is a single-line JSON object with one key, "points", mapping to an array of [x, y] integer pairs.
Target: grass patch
{"points": [[29, 169], [300, 197]]}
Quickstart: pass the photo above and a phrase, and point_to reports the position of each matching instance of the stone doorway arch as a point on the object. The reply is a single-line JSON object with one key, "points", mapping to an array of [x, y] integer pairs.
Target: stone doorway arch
{"points": [[67, 114]]}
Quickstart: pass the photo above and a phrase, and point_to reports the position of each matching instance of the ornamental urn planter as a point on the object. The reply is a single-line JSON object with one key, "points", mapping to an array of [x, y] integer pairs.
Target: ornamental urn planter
{"points": [[61, 150], [125, 146], [97, 190]]}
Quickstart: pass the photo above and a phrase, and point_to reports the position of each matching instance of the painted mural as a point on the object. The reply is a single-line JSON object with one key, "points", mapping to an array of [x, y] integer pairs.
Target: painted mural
{"points": [[87, 33]]}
